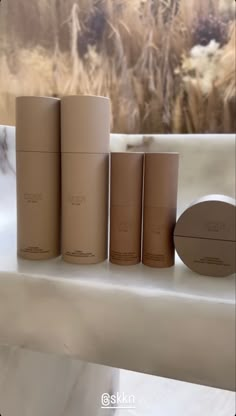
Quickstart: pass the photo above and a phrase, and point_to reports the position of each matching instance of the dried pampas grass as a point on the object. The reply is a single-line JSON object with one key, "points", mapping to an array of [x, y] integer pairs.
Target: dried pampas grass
{"points": [[142, 54], [226, 79]]}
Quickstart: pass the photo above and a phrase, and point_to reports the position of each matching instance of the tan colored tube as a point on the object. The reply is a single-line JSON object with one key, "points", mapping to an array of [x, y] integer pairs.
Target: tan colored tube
{"points": [[85, 127], [126, 208], [38, 177], [160, 202], [84, 207]]}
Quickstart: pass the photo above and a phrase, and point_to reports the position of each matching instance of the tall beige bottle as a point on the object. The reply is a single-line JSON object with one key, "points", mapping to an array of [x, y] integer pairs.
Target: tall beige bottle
{"points": [[38, 177], [160, 202], [85, 129], [126, 208]]}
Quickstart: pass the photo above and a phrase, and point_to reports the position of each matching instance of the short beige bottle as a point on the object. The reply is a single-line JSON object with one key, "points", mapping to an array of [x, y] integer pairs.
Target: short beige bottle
{"points": [[85, 129], [126, 208], [160, 202], [38, 177]]}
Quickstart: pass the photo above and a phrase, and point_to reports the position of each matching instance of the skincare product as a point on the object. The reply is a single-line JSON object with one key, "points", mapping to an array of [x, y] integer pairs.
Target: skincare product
{"points": [[126, 208], [85, 133], [38, 177], [205, 236], [160, 201]]}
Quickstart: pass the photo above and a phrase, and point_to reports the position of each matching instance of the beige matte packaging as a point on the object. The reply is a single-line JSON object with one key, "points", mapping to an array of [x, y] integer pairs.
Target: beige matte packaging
{"points": [[160, 202], [85, 130], [205, 236], [126, 208], [38, 177]]}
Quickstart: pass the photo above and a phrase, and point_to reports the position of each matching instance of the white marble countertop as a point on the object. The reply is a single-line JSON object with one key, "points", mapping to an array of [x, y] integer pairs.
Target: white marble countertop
{"points": [[169, 322]]}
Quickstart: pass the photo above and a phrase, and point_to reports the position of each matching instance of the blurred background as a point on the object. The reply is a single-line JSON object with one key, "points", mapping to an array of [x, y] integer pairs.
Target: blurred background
{"points": [[167, 65]]}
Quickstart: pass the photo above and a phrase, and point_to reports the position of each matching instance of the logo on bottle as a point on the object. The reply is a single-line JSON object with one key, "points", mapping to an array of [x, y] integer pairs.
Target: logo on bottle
{"points": [[216, 226], [33, 198], [77, 199]]}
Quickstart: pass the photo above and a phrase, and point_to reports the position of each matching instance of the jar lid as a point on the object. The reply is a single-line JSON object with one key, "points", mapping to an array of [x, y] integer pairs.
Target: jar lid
{"points": [[161, 179], [126, 178], [85, 124], [212, 217], [37, 124]]}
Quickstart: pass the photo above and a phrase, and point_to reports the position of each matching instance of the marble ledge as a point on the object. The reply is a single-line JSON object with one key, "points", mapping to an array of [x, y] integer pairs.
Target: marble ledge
{"points": [[171, 323]]}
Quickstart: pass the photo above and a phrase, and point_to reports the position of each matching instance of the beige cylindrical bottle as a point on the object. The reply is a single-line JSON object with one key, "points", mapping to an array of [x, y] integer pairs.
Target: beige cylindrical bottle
{"points": [[38, 177], [160, 202], [126, 208], [85, 129]]}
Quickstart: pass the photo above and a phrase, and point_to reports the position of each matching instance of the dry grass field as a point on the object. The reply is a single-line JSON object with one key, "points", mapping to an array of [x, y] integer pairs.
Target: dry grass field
{"points": [[167, 65]]}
